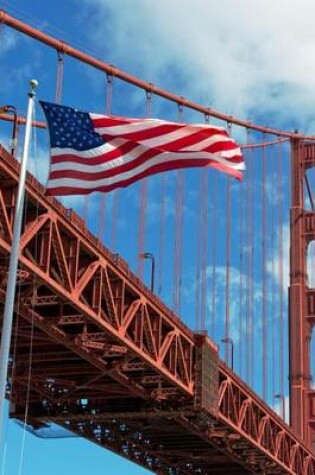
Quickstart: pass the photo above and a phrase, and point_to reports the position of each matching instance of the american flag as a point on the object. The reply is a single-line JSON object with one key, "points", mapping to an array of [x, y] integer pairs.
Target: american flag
{"points": [[93, 152]]}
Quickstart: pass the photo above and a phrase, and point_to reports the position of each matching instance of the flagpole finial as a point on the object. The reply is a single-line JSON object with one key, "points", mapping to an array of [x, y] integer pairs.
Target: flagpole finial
{"points": [[33, 84]]}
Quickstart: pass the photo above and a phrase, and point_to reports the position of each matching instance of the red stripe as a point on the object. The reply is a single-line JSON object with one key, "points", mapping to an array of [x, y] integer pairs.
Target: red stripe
{"points": [[147, 155], [152, 171], [144, 157], [98, 160], [129, 146], [140, 135], [107, 121], [170, 165], [164, 129]]}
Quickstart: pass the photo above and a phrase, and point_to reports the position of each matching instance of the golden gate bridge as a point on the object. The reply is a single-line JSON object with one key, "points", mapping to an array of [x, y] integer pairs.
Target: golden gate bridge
{"points": [[112, 363]]}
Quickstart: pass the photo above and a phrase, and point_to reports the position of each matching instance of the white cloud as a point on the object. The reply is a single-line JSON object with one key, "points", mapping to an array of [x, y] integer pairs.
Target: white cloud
{"points": [[9, 40], [245, 58], [282, 405], [274, 264]]}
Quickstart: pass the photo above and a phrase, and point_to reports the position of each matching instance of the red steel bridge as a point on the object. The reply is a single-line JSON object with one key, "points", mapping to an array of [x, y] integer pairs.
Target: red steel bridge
{"points": [[111, 363]]}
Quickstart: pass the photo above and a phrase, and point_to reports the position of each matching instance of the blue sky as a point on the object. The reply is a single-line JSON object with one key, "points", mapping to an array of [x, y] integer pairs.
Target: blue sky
{"points": [[253, 60]]}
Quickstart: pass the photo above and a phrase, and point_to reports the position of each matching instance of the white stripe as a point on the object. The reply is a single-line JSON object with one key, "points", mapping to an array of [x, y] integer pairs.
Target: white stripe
{"points": [[90, 153], [126, 158], [207, 142], [137, 152], [163, 138], [153, 121], [129, 128], [159, 159]]}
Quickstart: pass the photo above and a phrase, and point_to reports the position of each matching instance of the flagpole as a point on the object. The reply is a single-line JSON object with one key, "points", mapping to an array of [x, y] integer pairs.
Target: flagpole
{"points": [[13, 265]]}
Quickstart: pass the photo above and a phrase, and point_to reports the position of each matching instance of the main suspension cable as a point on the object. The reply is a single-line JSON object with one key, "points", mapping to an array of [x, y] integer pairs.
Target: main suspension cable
{"points": [[147, 86]]}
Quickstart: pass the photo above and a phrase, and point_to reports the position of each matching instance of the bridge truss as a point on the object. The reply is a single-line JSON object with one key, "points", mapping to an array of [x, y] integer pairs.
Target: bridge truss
{"points": [[112, 364]]}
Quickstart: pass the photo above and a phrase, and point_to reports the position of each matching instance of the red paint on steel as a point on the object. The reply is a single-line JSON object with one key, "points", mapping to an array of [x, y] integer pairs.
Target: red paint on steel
{"points": [[107, 340], [263, 275], [301, 301]]}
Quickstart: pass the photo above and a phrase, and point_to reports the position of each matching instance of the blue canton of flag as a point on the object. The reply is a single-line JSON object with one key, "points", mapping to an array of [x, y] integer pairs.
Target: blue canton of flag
{"points": [[70, 128]]}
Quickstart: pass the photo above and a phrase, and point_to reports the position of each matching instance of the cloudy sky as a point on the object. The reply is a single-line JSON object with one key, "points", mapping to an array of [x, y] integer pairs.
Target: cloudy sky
{"points": [[248, 58]]}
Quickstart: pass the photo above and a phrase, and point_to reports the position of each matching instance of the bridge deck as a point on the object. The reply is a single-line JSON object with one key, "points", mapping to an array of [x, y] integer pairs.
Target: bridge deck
{"points": [[111, 363]]}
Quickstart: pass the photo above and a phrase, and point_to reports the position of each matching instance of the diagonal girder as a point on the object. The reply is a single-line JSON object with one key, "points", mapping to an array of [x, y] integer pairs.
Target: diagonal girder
{"points": [[5, 224]]}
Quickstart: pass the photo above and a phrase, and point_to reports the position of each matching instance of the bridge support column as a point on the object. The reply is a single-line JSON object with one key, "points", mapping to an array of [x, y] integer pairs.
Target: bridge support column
{"points": [[301, 320]]}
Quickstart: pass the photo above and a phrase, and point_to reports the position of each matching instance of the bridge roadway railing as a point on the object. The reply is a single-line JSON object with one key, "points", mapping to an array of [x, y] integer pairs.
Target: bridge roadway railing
{"points": [[96, 321]]}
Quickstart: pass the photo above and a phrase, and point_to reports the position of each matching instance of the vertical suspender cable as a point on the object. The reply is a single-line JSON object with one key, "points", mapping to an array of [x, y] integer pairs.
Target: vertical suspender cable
{"points": [[228, 260], [274, 258], [143, 202], [280, 271], [214, 253], [198, 255], [86, 199], [228, 263], [162, 231], [59, 78], [248, 264], [178, 230], [251, 278], [241, 209], [109, 94], [204, 247], [204, 251], [263, 271], [142, 224], [114, 228], [115, 193]]}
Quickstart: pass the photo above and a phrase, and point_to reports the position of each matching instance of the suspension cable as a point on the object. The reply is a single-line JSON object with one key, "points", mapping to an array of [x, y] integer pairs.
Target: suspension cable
{"points": [[143, 202], [280, 271], [147, 86], [178, 241], [263, 274], [241, 208], [248, 266], [59, 78], [274, 257], [251, 274], [228, 260], [214, 253], [204, 248], [161, 231], [115, 193], [198, 257], [108, 105]]}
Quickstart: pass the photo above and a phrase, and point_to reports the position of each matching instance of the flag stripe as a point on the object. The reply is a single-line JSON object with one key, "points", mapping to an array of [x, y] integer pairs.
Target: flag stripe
{"points": [[71, 187], [123, 164], [91, 152], [163, 161]]}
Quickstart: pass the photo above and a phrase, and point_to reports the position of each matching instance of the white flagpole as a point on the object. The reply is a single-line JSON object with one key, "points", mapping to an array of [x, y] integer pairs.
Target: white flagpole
{"points": [[13, 265]]}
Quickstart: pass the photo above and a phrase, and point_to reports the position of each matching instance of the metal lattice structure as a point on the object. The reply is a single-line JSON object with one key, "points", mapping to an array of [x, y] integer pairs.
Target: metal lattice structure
{"points": [[111, 363], [302, 308]]}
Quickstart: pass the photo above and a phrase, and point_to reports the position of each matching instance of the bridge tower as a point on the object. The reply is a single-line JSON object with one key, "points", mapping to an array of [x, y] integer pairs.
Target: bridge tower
{"points": [[301, 296]]}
